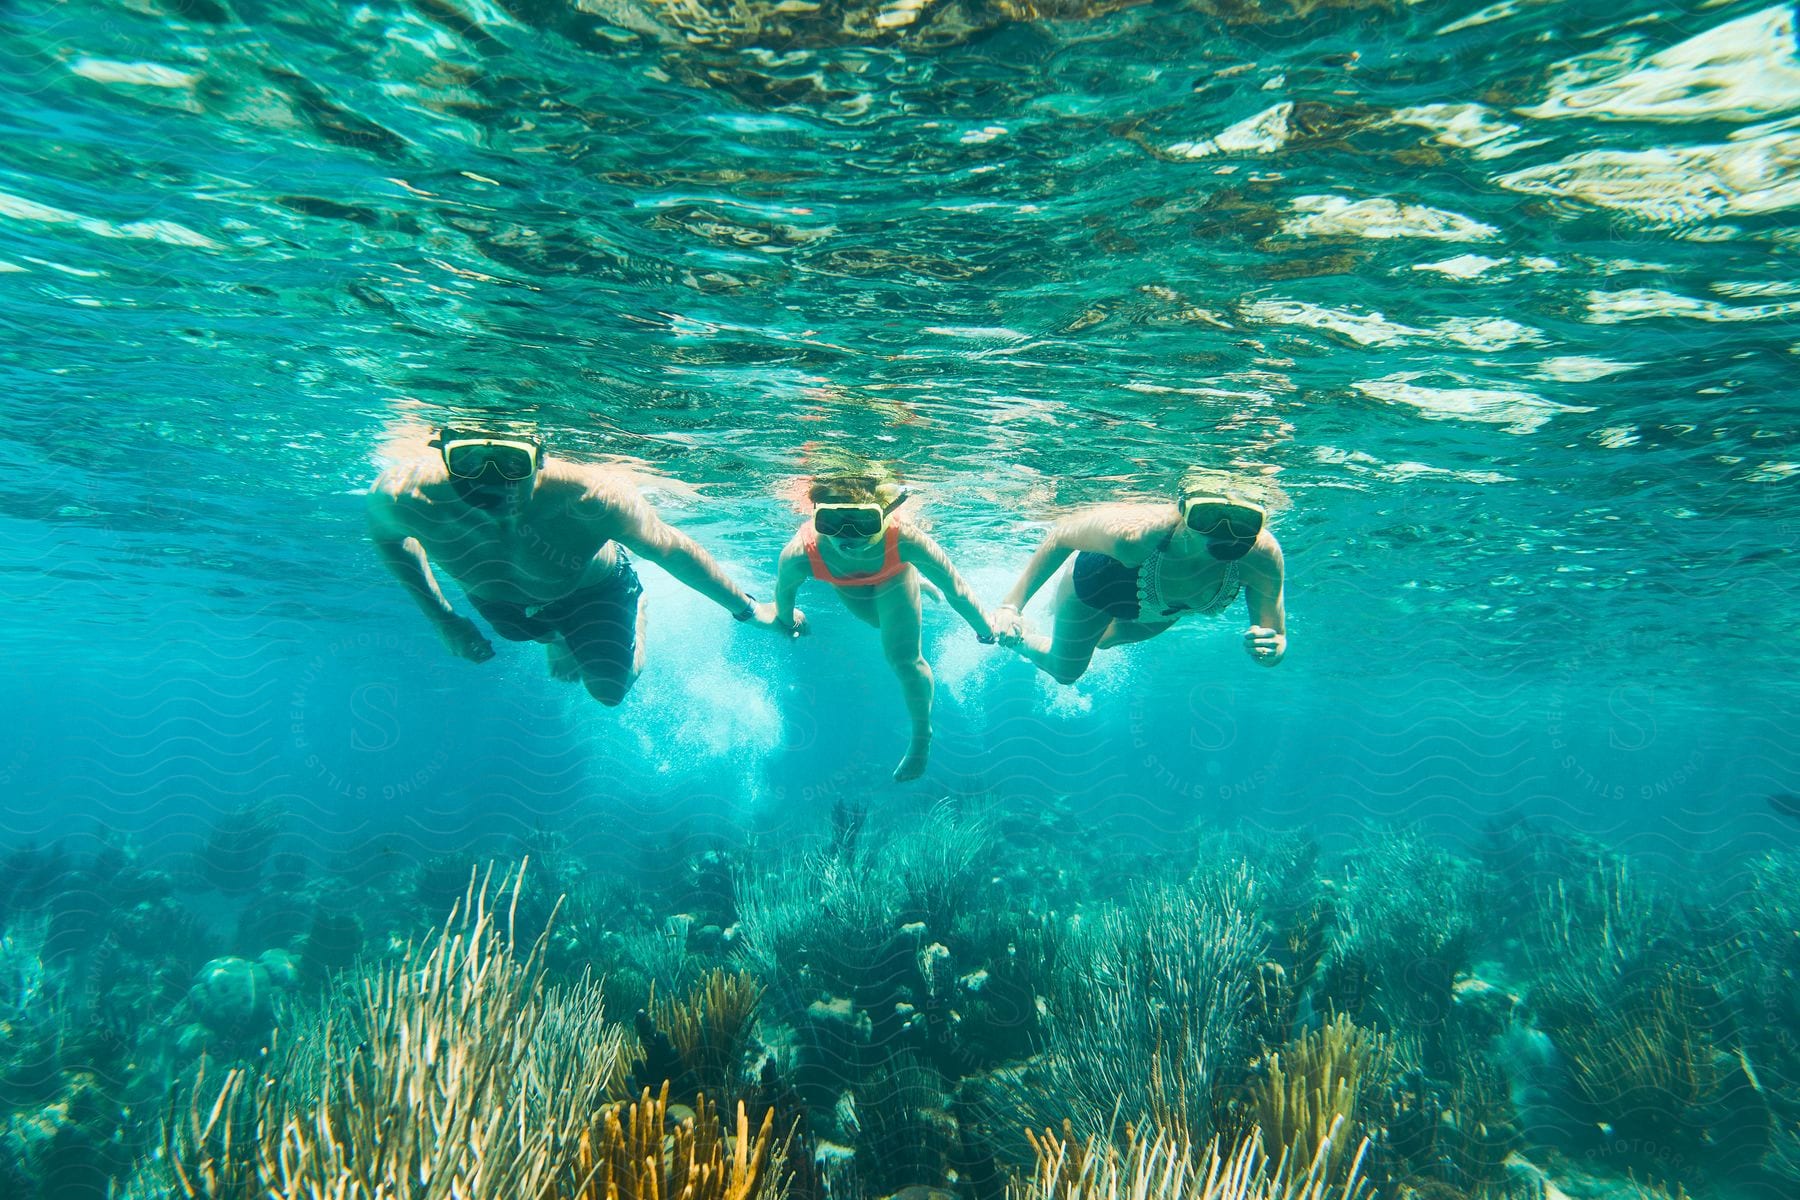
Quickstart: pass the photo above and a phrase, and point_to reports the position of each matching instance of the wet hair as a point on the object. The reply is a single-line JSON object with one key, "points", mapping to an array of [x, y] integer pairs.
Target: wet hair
{"points": [[503, 429], [1258, 489], [852, 489]]}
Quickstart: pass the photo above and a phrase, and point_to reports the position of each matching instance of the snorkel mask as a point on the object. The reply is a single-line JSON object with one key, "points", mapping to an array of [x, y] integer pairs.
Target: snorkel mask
{"points": [[855, 522], [1229, 524], [487, 469]]}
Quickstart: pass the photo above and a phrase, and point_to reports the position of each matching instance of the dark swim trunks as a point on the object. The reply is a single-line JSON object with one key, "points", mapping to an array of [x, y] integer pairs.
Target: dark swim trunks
{"points": [[598, 622]]}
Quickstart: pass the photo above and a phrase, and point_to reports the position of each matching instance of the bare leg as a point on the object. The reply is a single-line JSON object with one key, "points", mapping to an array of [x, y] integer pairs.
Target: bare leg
{"points": [[605, 682], [563, 663], [1123, 633], [861, 603], [606, 639], [1078, 629], [899, 610]]}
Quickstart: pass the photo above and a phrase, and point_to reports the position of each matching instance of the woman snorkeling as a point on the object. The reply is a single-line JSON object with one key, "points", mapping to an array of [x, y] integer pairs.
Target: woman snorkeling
{"points": [[854, 542], [1139, 568]]}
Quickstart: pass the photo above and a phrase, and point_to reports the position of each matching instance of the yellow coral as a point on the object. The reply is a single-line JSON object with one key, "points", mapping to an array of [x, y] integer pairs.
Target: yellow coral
{"points": [[710, 1028], [1318, 1083], [456, 1072], [1158, 1166]]}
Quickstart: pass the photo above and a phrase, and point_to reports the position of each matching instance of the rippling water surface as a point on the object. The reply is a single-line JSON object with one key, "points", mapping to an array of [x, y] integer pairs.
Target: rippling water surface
{"points": [[1502, 296]]}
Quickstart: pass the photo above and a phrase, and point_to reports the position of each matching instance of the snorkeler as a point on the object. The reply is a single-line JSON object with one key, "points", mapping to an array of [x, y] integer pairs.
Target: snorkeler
{"points": [[1139, 568], [874, 560], [539, 545]]}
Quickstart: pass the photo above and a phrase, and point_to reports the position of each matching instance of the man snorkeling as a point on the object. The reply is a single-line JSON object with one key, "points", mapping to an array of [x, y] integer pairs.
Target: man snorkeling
{"points": [[854, 542], [1139, 568], [539, 545]]}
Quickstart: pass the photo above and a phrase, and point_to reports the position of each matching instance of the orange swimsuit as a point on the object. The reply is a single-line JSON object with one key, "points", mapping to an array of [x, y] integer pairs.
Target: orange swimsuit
{"points": [[890, 560]]}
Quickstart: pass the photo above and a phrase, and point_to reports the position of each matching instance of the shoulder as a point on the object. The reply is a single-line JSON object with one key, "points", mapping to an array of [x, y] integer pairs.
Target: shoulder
{"points": [[584, 486], [406, 481], [1264, 564], [799, 544], [399, 501], [912, 540], [1128, 532], [1128, 520]]}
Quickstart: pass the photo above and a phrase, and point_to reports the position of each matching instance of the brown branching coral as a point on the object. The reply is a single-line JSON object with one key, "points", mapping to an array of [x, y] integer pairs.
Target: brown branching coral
{"points": [[1451, 1141], [632, 1154], [710, 1028], [204, 1145], [1782, 1160], [1645, 1190], [905, 1133], [1642, 1025], [1322, 1081], [1482, 1130], [1162, 1167]]}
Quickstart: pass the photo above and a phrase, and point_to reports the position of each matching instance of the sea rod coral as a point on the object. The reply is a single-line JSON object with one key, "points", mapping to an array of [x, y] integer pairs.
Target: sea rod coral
{"points": [[455, 1072]]}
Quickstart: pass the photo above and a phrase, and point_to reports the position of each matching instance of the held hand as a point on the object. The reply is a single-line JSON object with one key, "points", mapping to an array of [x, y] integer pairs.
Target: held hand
{"points": [[768, 618], [1007, 625], [1265, 645], [985, 631], [464, 638]]}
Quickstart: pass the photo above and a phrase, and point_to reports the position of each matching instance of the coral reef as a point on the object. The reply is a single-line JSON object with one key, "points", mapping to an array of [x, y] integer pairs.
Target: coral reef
{"points": [[238, 848], [885, 1011], [1404, 918], [1326, 1081], [460, 1043], [1630, 1005], [1160, 1166], [709, 1032], [1146, 1015], [640, 1154]]}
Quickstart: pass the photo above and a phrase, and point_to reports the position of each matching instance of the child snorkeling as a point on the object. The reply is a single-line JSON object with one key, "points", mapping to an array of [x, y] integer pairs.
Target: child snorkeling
{"points": [[875, 560]]}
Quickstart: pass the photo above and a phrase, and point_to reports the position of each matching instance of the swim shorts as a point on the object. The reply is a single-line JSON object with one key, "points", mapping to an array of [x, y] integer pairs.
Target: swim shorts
{"points": [[599, 622]]}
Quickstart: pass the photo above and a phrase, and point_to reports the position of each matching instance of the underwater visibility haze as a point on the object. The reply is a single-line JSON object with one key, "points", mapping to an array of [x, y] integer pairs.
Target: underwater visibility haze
{"points": [[1484, 885]]}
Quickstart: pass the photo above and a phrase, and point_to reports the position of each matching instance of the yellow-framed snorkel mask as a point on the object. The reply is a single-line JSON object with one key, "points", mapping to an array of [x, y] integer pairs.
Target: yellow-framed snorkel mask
{"points": [[853, 521], [470, 455]]}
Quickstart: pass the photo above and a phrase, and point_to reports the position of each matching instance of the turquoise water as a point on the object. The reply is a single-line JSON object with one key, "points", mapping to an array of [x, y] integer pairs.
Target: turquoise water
{"points": [[1522, 370], [1502, 298]]}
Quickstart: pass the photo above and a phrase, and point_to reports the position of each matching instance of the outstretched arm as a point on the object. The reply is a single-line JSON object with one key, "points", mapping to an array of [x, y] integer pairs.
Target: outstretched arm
{"points": [[790, 573], [1049, 556], [631, 521], [925, 554], [1264, 575], [636, 525]]}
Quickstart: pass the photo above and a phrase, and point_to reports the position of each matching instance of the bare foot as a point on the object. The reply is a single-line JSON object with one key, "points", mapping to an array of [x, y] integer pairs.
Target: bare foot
{"points": [[913, 765]]}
